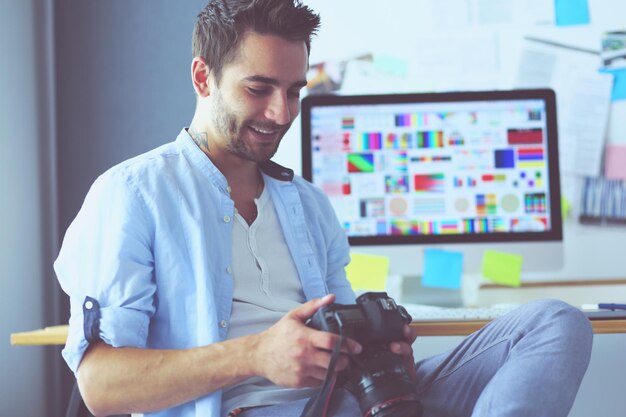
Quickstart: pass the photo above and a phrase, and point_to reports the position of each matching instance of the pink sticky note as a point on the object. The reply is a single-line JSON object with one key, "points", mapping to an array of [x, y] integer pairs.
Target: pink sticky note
{"points": [[615, 161]]}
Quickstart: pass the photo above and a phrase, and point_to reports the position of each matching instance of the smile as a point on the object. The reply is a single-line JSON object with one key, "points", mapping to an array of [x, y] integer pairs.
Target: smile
{"points": [[263, 131]]}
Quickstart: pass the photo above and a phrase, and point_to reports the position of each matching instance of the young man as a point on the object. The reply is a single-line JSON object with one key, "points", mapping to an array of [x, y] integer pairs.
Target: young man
{"points": [[191, 269]]}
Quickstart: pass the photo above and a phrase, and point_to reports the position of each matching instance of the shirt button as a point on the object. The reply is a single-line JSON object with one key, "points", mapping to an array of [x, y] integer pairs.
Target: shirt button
{"points": [[229, 270], [228, 189], [223, 324], [226, 218], [88, 305]]}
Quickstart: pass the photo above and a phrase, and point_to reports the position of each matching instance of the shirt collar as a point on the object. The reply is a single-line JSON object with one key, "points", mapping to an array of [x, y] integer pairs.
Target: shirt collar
{"points": [[269, 167]]}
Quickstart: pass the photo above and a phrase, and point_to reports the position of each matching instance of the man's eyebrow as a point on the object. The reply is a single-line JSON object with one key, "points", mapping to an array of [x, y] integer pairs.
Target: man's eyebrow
{"points": [[272, 81]]}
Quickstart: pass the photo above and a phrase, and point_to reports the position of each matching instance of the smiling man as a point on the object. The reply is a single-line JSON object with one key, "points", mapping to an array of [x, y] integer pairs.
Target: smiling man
{"points": [[192, 269]]}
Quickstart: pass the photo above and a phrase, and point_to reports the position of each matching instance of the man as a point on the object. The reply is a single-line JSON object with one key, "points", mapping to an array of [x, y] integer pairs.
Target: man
{"points": [[191, 269]]}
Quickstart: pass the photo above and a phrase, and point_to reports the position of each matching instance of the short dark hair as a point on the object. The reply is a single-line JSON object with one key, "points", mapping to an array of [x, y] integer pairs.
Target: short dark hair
{"points": [[221, 24]]}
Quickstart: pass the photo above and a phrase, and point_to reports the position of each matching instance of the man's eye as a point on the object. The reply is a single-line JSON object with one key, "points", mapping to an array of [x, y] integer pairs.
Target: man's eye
{"points": [[258, 91], [294, 94]]}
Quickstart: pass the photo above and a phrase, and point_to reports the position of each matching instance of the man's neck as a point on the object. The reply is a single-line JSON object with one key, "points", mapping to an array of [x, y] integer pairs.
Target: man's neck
{"points": [[238, 171]]}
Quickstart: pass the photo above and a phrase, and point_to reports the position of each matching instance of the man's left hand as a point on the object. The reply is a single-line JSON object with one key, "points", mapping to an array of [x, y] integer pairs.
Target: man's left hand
{"points": [[404, 348]]}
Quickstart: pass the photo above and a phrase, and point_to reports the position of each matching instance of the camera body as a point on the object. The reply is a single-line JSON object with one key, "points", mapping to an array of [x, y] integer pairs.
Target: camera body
{"points": [[378, 377]]}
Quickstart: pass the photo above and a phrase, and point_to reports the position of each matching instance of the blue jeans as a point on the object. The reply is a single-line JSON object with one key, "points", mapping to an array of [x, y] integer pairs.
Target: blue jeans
{"points": [[527, 363]]}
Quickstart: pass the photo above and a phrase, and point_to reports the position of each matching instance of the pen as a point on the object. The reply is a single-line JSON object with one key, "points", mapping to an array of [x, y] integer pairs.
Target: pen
{"points": [[604, 306]]}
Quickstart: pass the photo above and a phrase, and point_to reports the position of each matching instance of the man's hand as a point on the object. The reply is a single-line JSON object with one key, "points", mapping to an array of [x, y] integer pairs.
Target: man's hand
{"points": [[291, 354], [405, 349]]}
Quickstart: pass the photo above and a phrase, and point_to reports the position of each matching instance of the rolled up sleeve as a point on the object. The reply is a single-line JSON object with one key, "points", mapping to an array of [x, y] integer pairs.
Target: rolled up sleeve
{"points": [[107, 259]]}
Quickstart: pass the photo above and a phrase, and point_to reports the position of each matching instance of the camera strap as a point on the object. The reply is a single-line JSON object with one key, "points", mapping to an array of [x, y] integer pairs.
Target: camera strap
{"points": [[317, 406]]}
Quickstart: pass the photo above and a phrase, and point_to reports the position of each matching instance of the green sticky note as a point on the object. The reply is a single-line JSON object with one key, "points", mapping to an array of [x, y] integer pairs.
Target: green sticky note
{"points": [[367, 272], [565, 207], [502, 268]]}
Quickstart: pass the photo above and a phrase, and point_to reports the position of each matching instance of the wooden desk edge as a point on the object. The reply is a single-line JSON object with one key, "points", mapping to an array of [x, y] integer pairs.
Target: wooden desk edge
{"points": [[54, 335], [57, 335], [464, 328]]}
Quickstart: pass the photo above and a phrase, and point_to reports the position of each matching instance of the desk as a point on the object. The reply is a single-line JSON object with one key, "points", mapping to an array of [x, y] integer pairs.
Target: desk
{"points": [[56, 335]]}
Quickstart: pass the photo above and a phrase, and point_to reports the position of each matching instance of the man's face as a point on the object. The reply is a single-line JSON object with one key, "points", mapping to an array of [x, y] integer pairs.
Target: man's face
{"points": [[258, 96]]}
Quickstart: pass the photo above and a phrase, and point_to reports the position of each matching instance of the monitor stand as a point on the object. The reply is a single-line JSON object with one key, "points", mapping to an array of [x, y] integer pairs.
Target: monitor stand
{"points": [[409, 289]]}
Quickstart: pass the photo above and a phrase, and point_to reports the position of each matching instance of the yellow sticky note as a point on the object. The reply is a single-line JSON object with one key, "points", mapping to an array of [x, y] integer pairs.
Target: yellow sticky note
{"points": [[565, 207], [502, 268], [368, 272]]}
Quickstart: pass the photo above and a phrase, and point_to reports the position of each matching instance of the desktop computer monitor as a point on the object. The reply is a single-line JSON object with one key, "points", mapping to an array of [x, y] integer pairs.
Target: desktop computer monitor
{"points": [[463, 171]]}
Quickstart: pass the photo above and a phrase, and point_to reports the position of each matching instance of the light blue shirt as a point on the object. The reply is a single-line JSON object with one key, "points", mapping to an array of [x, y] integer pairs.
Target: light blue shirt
{"points": [[152, 245]]}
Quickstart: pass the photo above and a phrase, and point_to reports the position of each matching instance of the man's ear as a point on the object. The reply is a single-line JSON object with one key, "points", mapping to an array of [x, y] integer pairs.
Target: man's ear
{"points": [[200, 77]]}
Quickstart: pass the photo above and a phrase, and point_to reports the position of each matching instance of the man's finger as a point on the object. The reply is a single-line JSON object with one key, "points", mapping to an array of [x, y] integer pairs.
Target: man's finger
{"points": [[309, 308]]}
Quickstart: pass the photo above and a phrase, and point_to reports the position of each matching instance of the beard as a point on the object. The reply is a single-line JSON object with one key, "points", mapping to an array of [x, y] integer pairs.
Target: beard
{"points": [[234, 131]]}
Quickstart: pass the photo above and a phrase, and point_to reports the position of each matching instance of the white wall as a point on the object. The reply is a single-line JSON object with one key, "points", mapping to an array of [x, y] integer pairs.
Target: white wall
{"points": [[22, 369]]}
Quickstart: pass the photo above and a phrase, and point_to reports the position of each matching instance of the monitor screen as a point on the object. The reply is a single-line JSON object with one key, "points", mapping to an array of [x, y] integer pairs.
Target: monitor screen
{"points": [[437, 168]]}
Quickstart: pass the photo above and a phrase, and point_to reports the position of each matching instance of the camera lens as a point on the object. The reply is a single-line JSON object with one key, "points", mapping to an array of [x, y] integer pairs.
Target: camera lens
{"points": [[383, 385]]}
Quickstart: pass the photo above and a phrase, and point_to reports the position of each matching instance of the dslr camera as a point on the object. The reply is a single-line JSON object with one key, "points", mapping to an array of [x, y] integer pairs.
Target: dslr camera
{"points": [[378, 377]]}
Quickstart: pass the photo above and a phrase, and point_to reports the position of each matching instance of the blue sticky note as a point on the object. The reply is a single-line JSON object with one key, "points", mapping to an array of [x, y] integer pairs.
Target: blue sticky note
{"points": [[619, 82], [442, 269], [571, 12]]}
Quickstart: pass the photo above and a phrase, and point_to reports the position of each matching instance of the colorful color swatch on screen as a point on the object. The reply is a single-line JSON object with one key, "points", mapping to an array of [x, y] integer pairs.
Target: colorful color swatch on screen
{"points": [[360, 162], [535, 203], [428, 183], [530, 157], [370, 141], [347, 122], [524, 136], [430, 139]]}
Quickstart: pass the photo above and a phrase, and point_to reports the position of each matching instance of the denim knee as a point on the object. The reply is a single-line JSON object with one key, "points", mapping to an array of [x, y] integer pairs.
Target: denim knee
{"points": [[563, 320]]}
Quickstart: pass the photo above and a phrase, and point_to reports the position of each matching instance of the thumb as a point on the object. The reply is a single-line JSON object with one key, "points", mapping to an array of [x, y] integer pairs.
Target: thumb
{"points": [[306, 310]]}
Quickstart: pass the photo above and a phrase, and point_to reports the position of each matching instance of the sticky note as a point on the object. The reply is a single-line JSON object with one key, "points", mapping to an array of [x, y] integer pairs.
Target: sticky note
{"points": [[565, 207], [442, 269], [619, 82], [390, 64], [367, 272], [502, 268], [615, 161], [571, 12]]}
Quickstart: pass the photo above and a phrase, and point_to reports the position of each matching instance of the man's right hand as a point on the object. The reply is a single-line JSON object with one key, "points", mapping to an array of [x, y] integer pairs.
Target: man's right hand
{"points": [[291, 354]]}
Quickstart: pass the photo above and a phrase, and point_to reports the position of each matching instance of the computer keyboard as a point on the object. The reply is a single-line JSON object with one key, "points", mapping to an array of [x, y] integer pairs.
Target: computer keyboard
{"points": [[421, 312]]}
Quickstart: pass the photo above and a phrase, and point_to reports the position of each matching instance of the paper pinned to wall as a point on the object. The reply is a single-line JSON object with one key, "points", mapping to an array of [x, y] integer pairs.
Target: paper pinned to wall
{"points": [[462, 14], [583, 99], [584, 123], [494, 11], [367, 272], [455, 61], [539, 12], [502, 268], [619, 82], [442, 269]]}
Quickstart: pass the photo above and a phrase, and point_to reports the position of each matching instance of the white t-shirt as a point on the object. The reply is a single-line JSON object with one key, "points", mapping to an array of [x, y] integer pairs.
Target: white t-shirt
{"points": [[266, 287]]}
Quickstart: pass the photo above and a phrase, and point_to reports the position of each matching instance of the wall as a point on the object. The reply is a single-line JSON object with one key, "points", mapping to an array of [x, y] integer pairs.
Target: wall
{"points": [[123, 85], [22, 218]]}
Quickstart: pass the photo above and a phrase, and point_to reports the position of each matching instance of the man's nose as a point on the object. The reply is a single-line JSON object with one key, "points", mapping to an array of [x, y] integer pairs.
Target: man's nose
{"points": [[278, 109]]}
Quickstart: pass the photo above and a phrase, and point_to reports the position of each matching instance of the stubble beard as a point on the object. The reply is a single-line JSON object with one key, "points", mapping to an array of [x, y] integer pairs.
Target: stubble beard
{"points": [[234, 131]]}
